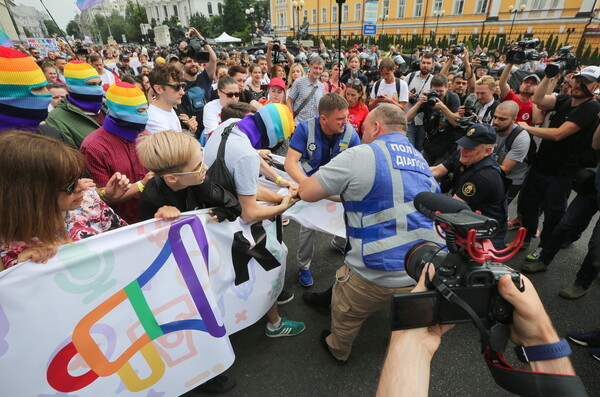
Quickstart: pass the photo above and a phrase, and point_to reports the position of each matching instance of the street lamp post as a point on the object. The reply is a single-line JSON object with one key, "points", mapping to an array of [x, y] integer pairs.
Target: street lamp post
{"points": [[515, 10], [569, 32], [249, 12], [383, 18], [298, 5], [438, 14]]}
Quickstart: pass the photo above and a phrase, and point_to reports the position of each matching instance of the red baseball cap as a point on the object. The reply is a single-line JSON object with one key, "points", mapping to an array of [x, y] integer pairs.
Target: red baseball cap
{"points": [[277, 82]]}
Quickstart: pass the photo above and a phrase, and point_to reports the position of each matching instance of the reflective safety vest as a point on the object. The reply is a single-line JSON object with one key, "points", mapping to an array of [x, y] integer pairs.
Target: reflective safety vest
{"points": [[389, 224], [313, 146]]}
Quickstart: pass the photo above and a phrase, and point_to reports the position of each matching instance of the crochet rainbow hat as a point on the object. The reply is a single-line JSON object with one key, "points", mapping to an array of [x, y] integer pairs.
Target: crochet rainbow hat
{"points": [[76, 74], [123, 101], [269, 126]]}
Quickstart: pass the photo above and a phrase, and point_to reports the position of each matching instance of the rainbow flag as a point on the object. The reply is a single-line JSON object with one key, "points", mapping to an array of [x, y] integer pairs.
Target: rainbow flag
{"points": [[5, 41], [85, 4]]}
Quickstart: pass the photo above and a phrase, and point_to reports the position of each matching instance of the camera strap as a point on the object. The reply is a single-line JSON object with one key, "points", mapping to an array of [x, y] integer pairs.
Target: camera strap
{"points": [[520, 382]]}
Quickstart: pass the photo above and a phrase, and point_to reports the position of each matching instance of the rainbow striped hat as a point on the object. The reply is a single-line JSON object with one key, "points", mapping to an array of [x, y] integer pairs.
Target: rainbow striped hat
{"points": [[123, 101], [269, 126], [76, 74]]}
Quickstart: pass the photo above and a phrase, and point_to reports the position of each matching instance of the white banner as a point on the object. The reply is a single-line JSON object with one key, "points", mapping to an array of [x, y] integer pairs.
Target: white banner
{"points": [[147, 308], [43, 45]]}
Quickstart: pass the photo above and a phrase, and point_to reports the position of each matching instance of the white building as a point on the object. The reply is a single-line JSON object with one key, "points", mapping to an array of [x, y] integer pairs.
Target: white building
{"points": [[162, 10], [6, 22], [30, 21]]}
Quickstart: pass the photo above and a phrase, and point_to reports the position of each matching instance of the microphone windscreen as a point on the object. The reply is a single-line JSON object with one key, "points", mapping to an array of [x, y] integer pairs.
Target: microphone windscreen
{"points": [[428, 203]]}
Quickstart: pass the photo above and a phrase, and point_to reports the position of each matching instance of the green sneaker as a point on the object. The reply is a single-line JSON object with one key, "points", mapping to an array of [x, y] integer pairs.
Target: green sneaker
{"points": [[286, 328], [534, 267], [535, 255], [526, 244], [573, 292]]}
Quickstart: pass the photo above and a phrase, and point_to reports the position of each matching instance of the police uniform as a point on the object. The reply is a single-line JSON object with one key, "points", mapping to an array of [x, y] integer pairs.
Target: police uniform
{"points": [[377, 184], [482, 185]]}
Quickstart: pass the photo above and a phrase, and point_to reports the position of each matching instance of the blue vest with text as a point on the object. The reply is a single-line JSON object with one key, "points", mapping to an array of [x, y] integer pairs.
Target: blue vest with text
{"points": [[315, 142]]}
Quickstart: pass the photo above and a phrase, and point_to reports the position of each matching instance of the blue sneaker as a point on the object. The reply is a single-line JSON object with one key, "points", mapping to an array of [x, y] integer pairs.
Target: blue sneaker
{"points": [[587, 338], [305, 278], [595, 353]]}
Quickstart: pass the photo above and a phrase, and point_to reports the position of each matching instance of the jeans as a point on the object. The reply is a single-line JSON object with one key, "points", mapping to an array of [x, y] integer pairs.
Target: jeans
{"points": [[590, 267], [548, 193], [416, 135]]}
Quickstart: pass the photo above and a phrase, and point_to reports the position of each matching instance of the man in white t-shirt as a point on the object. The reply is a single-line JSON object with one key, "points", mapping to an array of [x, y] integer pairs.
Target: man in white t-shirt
{"points": [[169, 87], [389, 89], [107, 77]]}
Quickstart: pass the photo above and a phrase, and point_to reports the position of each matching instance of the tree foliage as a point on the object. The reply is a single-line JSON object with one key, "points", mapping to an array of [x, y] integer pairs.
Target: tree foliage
{"points": [[73, 30], [51, 28]]}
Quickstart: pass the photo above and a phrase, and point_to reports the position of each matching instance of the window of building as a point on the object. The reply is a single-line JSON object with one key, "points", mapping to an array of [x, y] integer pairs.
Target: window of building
{"points": [[459, 6], [305, 15], [401, 8], [166, 11], [324, 15], [437, 5], [314, 16], [220, 8], [210, 10], [418, 8], [334, 14], [538, 4], [175, 11], [345, 12], [386, 8], [357, 11], [481, 6]]}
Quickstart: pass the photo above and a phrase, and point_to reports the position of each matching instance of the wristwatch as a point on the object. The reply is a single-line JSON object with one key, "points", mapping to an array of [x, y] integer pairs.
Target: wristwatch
{"points": [[543, 352]]}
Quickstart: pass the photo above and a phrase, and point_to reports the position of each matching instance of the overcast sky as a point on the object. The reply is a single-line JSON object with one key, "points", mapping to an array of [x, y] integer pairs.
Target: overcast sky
{"points": [[62, 10]]}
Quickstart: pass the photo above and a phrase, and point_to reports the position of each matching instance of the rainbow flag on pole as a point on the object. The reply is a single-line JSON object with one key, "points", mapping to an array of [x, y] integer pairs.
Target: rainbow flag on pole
{"points": [[5, 41], [85, 4]]}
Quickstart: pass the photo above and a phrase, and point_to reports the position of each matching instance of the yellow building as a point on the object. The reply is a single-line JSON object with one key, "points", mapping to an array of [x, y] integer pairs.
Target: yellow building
{"points": [[570, 20]]}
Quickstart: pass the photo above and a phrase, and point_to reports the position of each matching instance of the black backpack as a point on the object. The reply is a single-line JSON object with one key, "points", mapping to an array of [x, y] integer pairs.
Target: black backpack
{"points": [[529, 159]]}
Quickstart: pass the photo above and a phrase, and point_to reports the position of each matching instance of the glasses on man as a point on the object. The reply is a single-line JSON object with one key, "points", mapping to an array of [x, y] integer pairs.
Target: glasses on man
{"points": [[199, 170], [69, 189], [231, 94], [354, 82], [176, 87]]}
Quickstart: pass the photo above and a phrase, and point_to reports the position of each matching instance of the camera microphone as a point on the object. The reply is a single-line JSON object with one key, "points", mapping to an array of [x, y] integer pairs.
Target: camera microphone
{"points": [[428, 203]]}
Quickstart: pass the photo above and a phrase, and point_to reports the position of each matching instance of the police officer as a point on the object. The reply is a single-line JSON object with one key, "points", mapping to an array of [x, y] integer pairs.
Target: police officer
{"points": [[477, 178], [377, 184], [315, 142]]}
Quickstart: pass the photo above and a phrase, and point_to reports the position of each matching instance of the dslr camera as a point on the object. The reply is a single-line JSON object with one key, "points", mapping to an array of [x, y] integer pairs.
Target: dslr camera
{"points": [[431, 98], [470, 270], [412, 100], [566, 60], [526, 52], [458, 49]]}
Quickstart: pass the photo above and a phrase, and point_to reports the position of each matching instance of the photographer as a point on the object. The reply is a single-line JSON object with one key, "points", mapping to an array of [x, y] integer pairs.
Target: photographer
{"points": [[198, 86], [476, 177], [274, 48], [406, 370], [464, 82], [566, 144], [482, 103], [438, 108], [523, 98], [418, 82], [389, 89]]}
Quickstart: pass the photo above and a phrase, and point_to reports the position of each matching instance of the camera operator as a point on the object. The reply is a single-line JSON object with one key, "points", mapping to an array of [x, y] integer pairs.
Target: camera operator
{"points": [[561, 153], [484, 103], [512, 146], [476, 177], [523, 98], [198, 85], [377, 172], [463, 82], [437, 108], [407, 366], [274, 48], [389, 89], [418, 82]]}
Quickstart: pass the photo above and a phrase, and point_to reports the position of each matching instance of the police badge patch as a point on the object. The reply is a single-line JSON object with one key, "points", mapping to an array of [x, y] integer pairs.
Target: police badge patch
{"points": [[312, 147], [468, 189], [470, 132]]}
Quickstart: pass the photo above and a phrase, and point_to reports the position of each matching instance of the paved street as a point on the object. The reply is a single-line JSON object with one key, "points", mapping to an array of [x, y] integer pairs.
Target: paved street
{"points": [[299, 366]]}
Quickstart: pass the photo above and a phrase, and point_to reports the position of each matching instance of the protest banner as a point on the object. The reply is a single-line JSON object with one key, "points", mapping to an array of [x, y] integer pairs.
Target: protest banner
{"points": [[43, 45]]}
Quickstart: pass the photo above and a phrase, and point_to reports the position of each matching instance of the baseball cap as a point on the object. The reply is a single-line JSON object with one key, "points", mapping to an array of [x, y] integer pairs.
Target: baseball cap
{"points": [[124, 57], [277, 82], [591, 73], [170, 57], [533, 76], [476, 135]]}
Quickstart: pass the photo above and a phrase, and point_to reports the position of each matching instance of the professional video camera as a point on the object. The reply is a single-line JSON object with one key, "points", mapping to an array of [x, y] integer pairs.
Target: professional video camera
{"points": [[432, 95], [195, 49], [526, 52], [464, 287], [458, 49], [566, 60]]}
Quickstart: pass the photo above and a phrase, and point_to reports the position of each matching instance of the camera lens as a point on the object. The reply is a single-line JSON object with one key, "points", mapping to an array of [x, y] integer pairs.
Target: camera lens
{"points": [[420, 254]]}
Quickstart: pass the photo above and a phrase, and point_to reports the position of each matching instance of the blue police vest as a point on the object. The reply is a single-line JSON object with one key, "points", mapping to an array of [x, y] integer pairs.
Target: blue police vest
{"points": [[314, 142], [389, 224]]}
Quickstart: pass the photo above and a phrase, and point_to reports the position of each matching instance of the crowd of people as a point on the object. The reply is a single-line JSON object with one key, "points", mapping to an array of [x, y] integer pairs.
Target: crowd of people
{"points": [[117, 135]]}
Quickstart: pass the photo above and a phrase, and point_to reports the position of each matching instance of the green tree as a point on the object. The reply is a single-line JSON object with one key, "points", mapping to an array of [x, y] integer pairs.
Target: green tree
{"points": [[134, 16], [51, 28], [234, 18], [585, 57], [73, 30]]}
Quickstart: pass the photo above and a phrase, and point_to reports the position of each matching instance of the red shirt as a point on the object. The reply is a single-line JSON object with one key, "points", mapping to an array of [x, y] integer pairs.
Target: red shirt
{"points": [[106, 154], [357, 115], [525, 108]]}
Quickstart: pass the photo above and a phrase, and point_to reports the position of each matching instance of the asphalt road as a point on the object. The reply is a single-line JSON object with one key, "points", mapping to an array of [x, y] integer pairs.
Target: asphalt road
{"points": [[298, 366]]}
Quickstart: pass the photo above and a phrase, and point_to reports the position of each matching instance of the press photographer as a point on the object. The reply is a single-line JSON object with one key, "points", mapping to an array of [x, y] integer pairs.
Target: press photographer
{"points": [[418, 81], [437, 108]]}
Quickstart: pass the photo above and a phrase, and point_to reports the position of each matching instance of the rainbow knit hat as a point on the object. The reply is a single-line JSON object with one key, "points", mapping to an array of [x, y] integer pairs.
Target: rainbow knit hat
{"points": [[123, 100], [76, 74], [19, 106], [269, 126]]}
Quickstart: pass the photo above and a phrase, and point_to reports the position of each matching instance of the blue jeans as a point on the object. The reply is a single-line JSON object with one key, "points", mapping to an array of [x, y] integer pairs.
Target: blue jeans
{"points": [[416, 135], [547, 193]]}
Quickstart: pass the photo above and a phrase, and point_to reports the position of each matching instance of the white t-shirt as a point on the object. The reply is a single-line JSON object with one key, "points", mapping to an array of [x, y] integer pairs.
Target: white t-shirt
{"points": [[107, 78], [419, 85], [389, 90], [161, 120], [264, 81], [241, 159], [212, 115]]}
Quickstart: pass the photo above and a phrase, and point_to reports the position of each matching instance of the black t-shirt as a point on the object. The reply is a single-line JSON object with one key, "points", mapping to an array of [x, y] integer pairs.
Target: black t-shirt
{"points": [[562, 158]]}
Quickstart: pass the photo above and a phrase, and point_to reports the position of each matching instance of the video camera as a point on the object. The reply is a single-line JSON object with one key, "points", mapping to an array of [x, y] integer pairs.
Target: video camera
{"points": [[458, 49], [195, 49], [466, 276], [566, 60], [527, 52]]}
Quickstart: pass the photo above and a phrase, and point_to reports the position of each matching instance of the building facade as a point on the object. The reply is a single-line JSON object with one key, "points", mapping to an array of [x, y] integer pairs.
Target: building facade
{"points": [[571, 20], [31, 21], [162, 10], [6, 21]]}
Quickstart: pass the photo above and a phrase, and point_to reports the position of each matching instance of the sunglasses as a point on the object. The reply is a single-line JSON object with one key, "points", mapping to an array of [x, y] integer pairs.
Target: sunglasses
{"points": [[231, 94], [354, 82], [69, 189], [198, 171], [176, 87]]}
